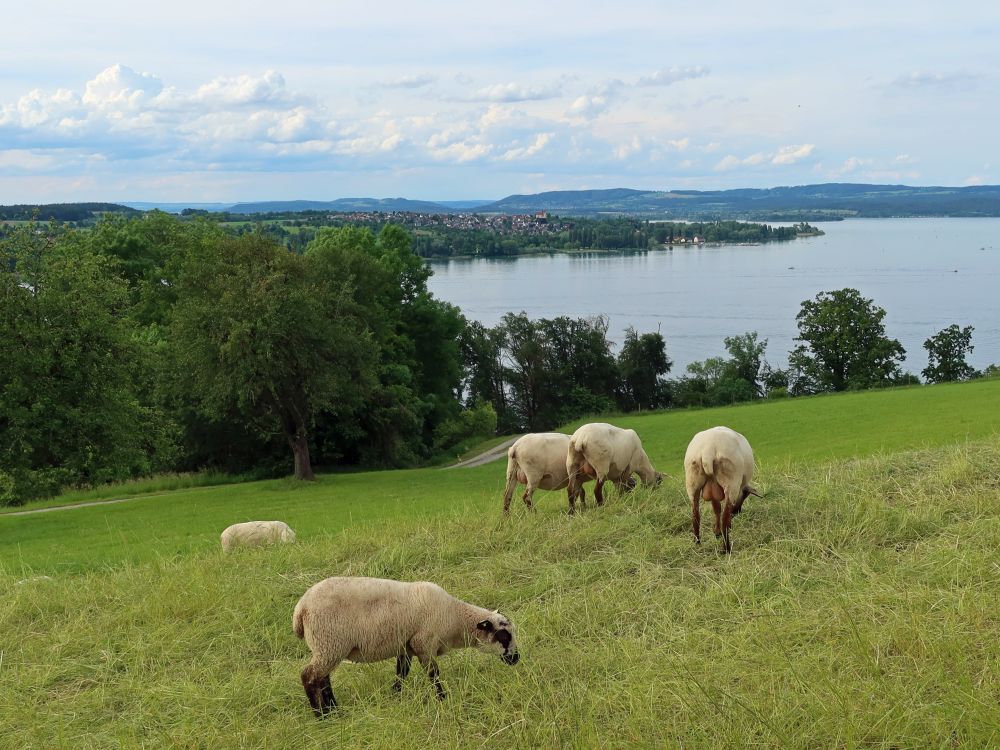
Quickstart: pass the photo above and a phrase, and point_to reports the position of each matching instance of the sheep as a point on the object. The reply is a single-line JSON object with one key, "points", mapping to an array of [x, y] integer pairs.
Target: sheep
{"points": [[603, 451], [718, 466], [256, 533], [372, 619], [538, 460]]}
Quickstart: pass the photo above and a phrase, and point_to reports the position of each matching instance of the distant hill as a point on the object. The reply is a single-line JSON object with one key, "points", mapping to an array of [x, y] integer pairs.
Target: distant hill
{"points": [[343, 204], [61, 211], [176, 208], [831, 200]]}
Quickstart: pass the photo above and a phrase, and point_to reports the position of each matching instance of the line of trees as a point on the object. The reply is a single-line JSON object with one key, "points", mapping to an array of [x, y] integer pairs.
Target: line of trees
{"points": [[156, 344]]}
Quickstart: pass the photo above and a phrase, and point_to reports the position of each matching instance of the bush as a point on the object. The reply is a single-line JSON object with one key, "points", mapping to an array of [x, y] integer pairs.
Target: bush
{"points": [[479, 420]]}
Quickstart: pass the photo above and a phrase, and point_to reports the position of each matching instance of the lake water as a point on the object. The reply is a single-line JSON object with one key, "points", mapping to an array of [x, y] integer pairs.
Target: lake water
{"points": [[926, 273]]}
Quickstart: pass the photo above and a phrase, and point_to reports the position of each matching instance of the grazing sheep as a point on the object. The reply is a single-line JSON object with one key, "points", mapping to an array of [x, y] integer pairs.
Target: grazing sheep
{"points": [[538, 460], [255, 534], [718, 467], [371, 619], [603, 451]]}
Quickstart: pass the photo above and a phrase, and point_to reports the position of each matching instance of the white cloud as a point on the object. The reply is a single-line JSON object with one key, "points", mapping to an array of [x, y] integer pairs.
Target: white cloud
{"points": [[953, 81], [242, 90], [792, 154], [20, 160], [668, 76], [526, 152], [513, 92], [408, 82], [120, 86]]}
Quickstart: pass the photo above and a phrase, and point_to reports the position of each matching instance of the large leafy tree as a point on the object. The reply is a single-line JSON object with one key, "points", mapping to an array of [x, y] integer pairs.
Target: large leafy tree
{"points": [[642, 365], [844, 345], [262, 333], [946, 352], [69, 411]]}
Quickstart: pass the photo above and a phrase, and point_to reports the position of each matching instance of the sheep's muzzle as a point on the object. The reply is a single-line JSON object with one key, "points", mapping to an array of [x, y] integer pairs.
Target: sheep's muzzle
{"points": [[511, 659]]}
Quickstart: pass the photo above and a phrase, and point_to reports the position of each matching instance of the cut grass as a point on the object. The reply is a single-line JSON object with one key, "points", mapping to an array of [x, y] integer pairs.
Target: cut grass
{"points": [[860, 609]]}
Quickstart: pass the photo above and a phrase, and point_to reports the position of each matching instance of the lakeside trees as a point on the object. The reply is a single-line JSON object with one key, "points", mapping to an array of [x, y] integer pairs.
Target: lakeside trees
{"points": [[152, 344]]}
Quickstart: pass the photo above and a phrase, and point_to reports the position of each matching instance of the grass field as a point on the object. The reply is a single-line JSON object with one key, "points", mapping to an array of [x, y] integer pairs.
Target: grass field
{"points": [[860, 608]]}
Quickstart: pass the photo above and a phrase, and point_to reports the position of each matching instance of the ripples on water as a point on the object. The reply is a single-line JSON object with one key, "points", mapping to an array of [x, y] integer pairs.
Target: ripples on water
{"points": [[926, 273]]}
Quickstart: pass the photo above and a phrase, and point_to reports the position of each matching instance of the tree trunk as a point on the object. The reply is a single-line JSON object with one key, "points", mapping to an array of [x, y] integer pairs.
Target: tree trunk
{"points": [[300, 448]]}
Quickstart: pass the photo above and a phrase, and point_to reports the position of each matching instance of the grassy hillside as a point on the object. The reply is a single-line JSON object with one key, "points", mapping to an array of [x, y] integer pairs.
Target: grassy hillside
{"points": [[784, 434], [860, 610]]}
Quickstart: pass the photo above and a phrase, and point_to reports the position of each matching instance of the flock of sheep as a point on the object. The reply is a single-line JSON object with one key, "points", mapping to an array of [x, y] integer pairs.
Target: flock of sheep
{"points": [[371, 619]]}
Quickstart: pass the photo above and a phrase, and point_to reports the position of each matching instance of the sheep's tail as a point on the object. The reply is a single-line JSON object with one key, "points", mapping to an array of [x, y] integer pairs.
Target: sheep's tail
{"points": [[298, 624], [512, 467], [709, 466]]}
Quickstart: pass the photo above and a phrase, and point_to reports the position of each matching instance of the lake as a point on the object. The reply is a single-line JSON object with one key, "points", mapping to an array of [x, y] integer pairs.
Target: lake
{"points": [[926, 273]]}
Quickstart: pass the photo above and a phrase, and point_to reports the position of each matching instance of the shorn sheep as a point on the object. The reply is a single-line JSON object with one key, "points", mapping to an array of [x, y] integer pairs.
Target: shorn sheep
{"points": [[718, 467], [371, 619], [255, 534], [538, 461], [602, 451]]}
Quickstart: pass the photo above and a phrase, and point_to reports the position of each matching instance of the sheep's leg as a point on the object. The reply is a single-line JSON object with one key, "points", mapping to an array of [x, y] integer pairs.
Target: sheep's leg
{"points": [[571, 496], [717, 509], [403, 662], [529, 492], [318, 689], [507, 496], [429, 663], [727, 523], [599, 491], [696, 516]]}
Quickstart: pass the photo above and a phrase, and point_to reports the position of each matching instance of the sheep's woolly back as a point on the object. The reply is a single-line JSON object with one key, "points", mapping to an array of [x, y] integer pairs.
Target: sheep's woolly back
{"points": [[370, 619], [716, 453], [256, 533], [541, 458], [610, 450]]}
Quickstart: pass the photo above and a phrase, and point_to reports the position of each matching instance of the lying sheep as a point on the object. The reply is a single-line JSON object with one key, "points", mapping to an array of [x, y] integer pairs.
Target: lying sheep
{"points": [[371, 619], [602, 451], [255, 534], [718, 466], [538, 461]]}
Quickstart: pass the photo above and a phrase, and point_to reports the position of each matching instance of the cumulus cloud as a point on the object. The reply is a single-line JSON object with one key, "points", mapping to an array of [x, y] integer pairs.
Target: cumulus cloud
{"points": [[243, 90], [408, 82], [783, 156], [120, 86], [526, 152], [513, 92], [669, 76], [792, 154]]}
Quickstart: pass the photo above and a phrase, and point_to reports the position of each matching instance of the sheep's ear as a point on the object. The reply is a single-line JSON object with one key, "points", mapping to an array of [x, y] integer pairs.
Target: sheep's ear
{"points": [[485, 625]]}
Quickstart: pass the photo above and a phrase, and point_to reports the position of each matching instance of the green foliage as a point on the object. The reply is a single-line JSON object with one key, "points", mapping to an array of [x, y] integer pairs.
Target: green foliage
{"points": [[260, 332], [642, 365], [744, 376], [844, 345], [946, 352], [69, 406], [480, 420]]}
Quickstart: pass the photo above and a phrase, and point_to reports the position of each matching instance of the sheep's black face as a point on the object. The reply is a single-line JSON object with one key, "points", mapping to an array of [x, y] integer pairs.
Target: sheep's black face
{"points": [[496, 634]]}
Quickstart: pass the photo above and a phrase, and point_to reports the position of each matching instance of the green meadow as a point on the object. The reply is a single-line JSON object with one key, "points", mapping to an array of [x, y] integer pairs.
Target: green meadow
{"points": [[860, 607]]}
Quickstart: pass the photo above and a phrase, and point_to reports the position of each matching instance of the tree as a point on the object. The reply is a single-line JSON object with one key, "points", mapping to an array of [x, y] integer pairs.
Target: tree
{"points": [[747, 360], [946, 352], [642, 363], [844, 345], [261, 333], [69, 411]]}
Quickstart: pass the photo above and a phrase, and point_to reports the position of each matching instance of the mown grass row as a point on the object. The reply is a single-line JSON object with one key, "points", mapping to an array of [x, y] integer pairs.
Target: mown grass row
{"points": [[860, 609]]}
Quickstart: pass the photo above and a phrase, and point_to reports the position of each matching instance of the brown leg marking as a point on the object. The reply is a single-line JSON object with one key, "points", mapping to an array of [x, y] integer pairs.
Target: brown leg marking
{"points": [[727, 524], [318, 691], [599, 492], [717, 509], [696, 518]]}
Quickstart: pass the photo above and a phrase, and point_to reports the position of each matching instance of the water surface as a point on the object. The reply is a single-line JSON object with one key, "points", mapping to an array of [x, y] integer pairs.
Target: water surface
{"points": [[926, 273]]}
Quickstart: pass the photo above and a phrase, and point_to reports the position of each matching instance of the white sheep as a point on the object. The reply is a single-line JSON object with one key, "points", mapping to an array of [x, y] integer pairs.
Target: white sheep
{"points": [[255, 534], [718, 467], [604, 452], [538, 461], [371, 619]]}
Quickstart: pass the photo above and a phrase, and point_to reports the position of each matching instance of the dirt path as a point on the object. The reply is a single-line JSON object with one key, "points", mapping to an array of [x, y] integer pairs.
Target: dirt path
{"points": [[497, 451], [88, 504]]}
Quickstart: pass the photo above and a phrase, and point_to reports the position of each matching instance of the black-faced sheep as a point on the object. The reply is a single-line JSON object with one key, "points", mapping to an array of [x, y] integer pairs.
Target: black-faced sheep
{"points": [[255, 534], [603, 451], [718, 467], [371, 619]]}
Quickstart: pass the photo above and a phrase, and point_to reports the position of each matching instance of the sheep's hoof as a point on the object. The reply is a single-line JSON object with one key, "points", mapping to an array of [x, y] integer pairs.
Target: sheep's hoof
{"points": [[718, 536]]}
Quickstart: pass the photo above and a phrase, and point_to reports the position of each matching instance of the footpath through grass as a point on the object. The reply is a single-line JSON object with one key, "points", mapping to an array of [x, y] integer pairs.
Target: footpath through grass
{"points": [[784, 434], [860, 609]]}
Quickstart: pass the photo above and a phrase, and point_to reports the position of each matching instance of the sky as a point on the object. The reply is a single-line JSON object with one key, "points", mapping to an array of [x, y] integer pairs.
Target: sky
{"points": [[213, 102]]}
